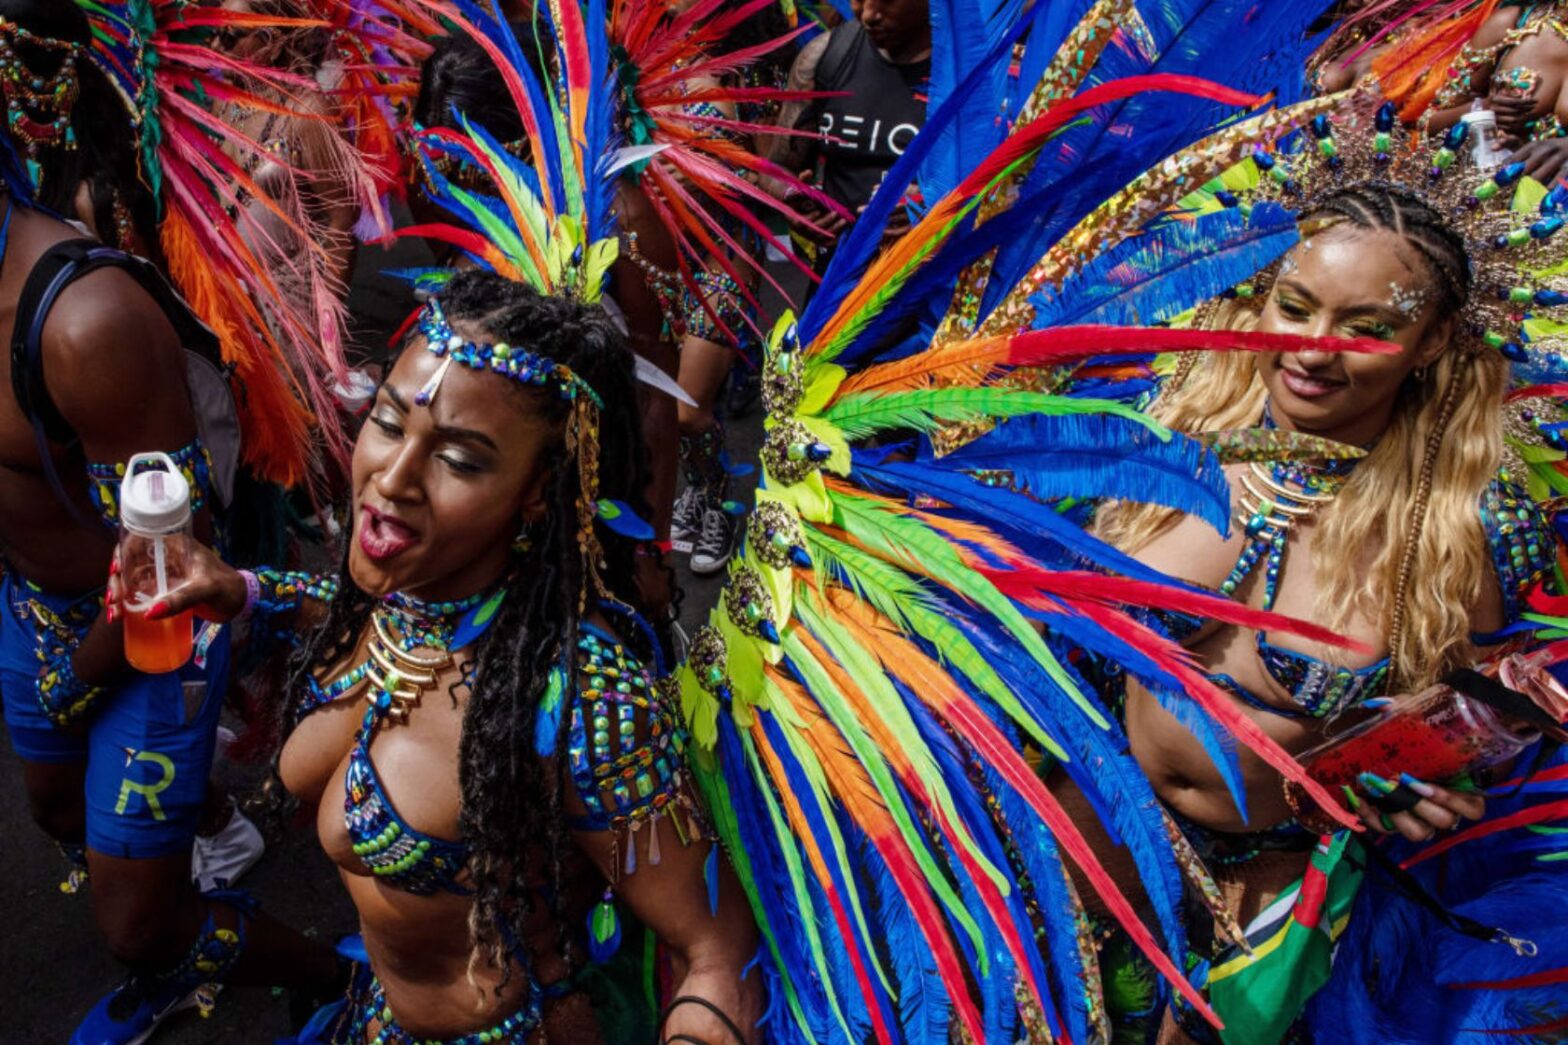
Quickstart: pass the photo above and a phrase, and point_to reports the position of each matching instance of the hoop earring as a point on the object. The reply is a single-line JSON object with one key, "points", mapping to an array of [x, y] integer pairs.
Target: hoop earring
{"points": [[1419, 373]]}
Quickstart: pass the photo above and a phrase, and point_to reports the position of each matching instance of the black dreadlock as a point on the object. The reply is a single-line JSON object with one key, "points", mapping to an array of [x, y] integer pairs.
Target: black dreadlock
{"points": [[511, 804]]}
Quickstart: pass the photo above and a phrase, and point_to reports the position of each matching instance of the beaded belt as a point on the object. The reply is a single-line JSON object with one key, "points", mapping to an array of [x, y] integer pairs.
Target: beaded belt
{"points": [[367, 1004]]}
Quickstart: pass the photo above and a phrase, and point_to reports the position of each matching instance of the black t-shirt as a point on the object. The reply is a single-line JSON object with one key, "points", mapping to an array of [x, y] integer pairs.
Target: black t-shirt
{"points": [[873, 123]]}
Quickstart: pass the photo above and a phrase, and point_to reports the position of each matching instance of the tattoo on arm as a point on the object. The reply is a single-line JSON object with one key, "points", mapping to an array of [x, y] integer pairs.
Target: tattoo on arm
{"points": [[795, 152]]}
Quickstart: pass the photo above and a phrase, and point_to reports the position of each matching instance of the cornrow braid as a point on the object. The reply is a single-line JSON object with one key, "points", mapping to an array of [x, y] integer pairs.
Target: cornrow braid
{"points": [[1387, 207]]}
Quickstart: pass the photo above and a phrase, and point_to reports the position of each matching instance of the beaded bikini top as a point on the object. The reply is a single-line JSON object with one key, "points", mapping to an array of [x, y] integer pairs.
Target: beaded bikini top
{"points": [[624, 745], [1520, 543]]}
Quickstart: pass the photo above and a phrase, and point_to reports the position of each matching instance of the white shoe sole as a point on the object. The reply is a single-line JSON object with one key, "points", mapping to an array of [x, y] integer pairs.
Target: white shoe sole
{"points": [[708, 567], [188, 1002]]}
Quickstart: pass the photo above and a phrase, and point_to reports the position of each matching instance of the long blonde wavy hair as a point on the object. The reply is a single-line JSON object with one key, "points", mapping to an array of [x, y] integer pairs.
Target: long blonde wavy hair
{"points": [[1423, 479]]}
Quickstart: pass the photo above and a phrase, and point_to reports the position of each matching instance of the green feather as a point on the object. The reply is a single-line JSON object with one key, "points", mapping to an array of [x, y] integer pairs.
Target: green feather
{"points": [[812, 768], [907, 540], [929, 409], [500, 232], [886, 587], [787, 845], [721, 813], [841, 715], [872, 678]]}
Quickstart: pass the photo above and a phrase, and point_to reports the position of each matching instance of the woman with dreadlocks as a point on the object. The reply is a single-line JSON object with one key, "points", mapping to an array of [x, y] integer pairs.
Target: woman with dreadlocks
{"points": [[479, 713]]}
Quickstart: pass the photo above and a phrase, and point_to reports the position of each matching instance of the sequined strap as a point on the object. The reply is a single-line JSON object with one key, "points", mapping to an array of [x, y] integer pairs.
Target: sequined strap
{"points": [[62, 697], [1520, 540], [717, 310], [279, 596], [368, 1007], [193, 461], [626, 749]]}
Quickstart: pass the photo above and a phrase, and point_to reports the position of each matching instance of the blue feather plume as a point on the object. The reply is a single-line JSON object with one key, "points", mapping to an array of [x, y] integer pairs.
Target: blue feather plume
{"points": [[1155, 277], [1101, 456]]}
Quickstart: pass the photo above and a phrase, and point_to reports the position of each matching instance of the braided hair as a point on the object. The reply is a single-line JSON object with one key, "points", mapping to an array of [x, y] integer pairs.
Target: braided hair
{"points": [[1392, 209], [512, 800]]}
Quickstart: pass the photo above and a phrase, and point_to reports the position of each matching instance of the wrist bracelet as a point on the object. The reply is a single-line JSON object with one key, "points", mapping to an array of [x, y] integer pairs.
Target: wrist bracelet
{"points": [[252, 593]]}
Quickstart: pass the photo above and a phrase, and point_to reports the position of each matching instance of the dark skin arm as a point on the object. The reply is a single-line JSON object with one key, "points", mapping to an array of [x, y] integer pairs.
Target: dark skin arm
{"points": [[794, 152], [709, 951], [116, 371], [645, 326]]}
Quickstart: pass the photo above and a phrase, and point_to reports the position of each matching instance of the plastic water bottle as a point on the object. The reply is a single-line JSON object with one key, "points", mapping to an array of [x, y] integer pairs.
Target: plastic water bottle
{"points": [[155, 536], [1484, 147]]}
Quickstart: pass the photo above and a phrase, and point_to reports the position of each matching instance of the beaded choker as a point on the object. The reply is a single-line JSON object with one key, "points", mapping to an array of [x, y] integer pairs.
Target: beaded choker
{"points": [[412, 642], [520, 365]]}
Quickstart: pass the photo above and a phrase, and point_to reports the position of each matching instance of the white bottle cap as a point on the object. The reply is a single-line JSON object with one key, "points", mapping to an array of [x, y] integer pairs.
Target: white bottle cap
{"points": [[154, 501], [1480, 119]]}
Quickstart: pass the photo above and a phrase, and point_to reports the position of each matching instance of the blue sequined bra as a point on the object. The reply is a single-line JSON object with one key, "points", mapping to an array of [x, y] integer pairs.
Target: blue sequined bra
{"points": [[385, 843], [625, 747], [1521, 545]]}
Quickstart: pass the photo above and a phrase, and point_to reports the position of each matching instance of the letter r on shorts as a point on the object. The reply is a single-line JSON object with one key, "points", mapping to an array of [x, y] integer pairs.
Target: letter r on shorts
{"points": [[149, 792]]}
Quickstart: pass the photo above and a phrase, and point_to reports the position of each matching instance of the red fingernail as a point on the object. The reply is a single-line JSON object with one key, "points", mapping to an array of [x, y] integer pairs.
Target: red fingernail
{"points": [[158, 609], [114, 567], [109, 614]]}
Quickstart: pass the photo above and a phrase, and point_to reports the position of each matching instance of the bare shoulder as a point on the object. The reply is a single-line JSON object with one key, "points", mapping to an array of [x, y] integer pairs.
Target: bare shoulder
{"points": [[107, 342]]}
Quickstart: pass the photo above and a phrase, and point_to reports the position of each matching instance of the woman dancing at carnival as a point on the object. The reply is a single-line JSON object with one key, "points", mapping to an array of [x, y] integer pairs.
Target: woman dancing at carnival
{"points": [[483, 568], [483, 612], [1386, 252]]}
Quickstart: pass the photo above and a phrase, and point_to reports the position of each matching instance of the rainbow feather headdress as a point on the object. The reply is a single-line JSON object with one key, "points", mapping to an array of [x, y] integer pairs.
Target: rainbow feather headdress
{"points": [[901, 626], [545, 222], [218, 226], [615, 100]]}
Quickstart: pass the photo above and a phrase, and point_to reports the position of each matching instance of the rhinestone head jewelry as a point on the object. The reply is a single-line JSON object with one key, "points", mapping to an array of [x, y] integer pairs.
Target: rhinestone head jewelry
{"points": [[520, 365]]}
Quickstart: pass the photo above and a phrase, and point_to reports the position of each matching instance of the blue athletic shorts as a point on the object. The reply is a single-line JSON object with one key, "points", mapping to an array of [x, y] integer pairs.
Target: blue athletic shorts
{"points": [[148, 746]]}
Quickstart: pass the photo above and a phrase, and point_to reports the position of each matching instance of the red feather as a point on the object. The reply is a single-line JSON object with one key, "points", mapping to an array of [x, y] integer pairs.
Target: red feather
{"points": [[932, 684], [1218, 704], [1078, 585]]}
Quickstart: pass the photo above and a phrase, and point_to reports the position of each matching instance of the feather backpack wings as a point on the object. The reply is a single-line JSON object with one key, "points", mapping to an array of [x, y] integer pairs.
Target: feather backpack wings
{"points": [[277, 320], [901, 625]]}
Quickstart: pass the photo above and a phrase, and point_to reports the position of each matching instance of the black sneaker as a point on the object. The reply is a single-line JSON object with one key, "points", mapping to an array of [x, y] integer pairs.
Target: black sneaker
{"points": [[687, 520], [745, 391], [716, 543]]}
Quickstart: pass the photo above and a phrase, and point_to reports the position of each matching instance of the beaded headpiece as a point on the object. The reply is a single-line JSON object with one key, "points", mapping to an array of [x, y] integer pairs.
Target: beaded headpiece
{"points": [[528, 368], [1518, 263], [582, 427], [1509, 224], [38, 108]]}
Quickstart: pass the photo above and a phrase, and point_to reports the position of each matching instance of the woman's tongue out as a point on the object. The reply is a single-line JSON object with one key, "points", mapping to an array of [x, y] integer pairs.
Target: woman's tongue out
{"points": [[381, 536]]}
